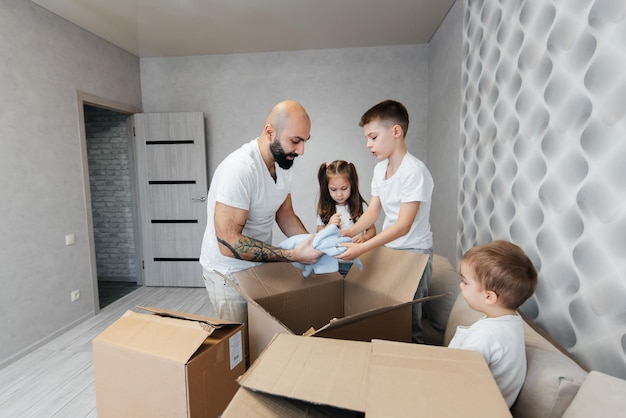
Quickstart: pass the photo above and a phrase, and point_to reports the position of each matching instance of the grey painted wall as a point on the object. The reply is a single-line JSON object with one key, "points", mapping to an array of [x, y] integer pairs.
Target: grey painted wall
{"points": [[444, 109], [336, 86], [44, 61]]}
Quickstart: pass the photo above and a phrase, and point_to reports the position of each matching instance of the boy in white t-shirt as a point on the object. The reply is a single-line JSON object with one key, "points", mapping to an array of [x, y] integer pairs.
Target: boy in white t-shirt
{"points": [[496, 279], [402, 187]]}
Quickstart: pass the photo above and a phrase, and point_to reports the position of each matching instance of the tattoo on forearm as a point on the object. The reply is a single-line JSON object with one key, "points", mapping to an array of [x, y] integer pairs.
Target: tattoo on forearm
{"points": [[254, 250], [258, 250], [227, 245]]}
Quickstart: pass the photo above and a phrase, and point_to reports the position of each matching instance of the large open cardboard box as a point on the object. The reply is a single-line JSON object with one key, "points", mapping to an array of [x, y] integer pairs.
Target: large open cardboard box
{"points": [[368, 304], [320, 377], [167, 364]]}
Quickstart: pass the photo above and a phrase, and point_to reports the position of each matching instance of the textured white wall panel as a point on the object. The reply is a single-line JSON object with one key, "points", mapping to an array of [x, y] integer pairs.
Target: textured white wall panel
{"points": [[543, 128]]}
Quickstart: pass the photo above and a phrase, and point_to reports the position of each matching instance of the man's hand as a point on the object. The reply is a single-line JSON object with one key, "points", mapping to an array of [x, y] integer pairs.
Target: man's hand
{"points": [[305, 253]]}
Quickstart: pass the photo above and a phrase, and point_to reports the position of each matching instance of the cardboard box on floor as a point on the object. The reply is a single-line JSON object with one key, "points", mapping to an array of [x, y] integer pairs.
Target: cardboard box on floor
{"points": [[167, 364], [327, 377], [372, 303]]}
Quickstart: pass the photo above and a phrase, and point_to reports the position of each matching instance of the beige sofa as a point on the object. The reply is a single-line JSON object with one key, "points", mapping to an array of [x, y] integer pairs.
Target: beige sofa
{"points": [[555, 384]]}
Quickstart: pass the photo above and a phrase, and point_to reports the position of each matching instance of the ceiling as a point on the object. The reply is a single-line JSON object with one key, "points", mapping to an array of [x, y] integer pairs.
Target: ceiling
{"points": [[167, 28]]}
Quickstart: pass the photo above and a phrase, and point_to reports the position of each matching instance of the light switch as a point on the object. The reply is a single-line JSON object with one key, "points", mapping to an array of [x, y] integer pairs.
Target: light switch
{"points": [[70, 239]]}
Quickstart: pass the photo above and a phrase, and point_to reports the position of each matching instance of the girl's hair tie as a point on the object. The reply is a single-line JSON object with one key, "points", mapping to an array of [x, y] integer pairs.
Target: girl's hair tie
{"points": [[327, 164]]}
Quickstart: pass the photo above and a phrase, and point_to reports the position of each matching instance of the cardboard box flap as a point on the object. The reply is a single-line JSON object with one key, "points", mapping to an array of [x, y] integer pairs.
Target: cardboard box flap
{"points": [[336, 323], [211, 323], [169, 338], [318, 370], [384, 262], [246, 404], [417, 377], [272, 324], [276, 278], [381, 378]]}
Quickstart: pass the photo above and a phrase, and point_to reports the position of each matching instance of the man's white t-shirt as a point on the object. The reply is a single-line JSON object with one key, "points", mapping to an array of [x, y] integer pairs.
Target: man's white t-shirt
{"points": [[243, 181], [501, 342], [412, 182]]}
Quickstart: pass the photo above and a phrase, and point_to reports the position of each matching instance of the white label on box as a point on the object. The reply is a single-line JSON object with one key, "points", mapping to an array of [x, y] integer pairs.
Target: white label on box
{"points": [[235, 347]]}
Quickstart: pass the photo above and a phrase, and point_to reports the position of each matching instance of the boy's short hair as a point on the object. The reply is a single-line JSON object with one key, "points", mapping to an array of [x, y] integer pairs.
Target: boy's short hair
{"points": [[387, 111], [505, 269]]}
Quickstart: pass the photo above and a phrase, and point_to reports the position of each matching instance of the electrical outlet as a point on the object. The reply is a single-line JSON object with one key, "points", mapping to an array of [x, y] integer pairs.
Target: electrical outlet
{"points": [[70, 239], [75, 295]]}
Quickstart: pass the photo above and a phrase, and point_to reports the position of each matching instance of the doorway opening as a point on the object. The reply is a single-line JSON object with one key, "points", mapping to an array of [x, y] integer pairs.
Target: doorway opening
{"points": [[110, 163]]}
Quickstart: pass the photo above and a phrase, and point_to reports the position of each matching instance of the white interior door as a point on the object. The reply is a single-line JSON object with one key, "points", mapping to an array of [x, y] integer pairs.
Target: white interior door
{"points": [[172, 177]]}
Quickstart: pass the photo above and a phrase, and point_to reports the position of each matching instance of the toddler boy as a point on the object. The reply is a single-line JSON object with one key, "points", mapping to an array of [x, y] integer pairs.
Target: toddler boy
{"points": [[496, 278]]}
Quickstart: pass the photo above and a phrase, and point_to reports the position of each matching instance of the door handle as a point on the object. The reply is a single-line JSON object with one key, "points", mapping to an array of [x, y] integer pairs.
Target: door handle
{"points": [[198, 199]]}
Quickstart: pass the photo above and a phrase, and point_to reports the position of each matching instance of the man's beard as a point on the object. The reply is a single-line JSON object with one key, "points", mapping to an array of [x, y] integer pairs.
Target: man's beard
{"points": [[280, 156]]}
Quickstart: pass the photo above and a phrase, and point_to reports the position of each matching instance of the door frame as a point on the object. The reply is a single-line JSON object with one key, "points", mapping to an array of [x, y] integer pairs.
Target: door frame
{"points": [[82, 99]]}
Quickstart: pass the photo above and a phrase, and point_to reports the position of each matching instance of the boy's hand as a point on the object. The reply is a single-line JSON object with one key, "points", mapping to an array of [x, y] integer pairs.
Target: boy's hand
{"points": [[354, 251], [346, 232], [359, 239]]}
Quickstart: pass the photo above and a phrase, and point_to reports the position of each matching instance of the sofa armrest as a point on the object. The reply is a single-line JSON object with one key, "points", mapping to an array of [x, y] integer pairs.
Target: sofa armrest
{"points": [[600, 395]]}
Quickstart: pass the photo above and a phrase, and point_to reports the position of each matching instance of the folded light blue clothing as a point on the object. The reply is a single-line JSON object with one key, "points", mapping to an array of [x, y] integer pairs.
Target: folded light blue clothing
{"points": [[327, 241]]}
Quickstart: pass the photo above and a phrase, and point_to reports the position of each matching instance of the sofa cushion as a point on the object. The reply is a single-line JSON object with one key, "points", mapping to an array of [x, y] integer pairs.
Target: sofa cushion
{"points": [[552, 379], [460, 315], [600, 395], [444, 279]]}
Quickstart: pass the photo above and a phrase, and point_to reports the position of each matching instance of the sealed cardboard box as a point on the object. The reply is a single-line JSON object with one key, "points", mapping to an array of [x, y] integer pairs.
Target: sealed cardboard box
{"points": [[167, 364], [372, 303], [329, 377]]}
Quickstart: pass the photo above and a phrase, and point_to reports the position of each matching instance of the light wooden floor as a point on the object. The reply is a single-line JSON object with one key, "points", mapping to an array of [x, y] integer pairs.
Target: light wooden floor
{"points": [[57, 379]]}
